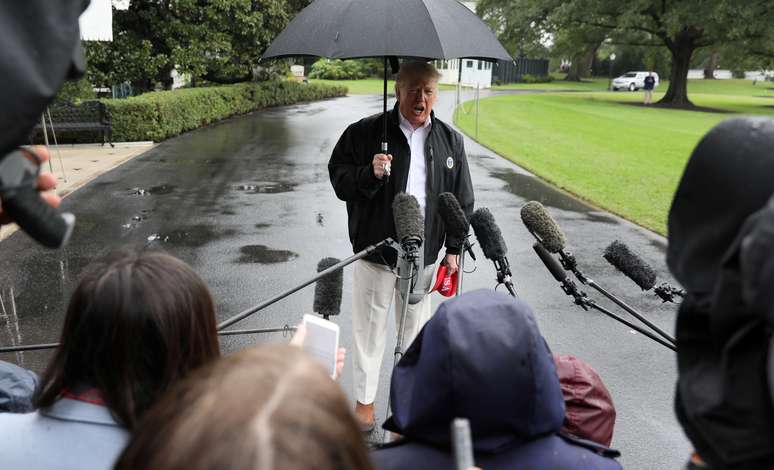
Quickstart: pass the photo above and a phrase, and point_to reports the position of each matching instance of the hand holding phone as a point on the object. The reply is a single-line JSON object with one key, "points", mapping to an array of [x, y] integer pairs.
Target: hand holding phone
{"points": [[322, 341]]}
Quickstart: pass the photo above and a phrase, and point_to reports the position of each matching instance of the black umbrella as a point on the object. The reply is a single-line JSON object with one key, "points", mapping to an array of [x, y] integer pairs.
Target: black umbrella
{"points": [[350, 29]]}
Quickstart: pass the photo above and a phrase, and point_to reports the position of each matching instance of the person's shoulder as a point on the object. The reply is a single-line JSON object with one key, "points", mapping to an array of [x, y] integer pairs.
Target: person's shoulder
{"points": [[446, 130], [363, 125], [408, 455]]}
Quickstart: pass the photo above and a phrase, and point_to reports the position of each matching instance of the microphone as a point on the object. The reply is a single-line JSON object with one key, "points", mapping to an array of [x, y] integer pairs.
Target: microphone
{"points": [[537, 220], [581, 299], [410, 230], [23, 204], [543, 227], [636, 269], [327, 290], [457, 225], [492, 244], [409, 223], [560, 275]]}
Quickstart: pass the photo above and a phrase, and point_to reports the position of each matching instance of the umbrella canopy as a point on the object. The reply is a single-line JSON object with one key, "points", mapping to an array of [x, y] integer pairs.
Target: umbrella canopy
{"points": [[348, 29]]}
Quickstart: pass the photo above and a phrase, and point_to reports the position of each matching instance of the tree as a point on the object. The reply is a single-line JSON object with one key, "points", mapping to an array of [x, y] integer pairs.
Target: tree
{"points": [[681, 26], [216, 40]]}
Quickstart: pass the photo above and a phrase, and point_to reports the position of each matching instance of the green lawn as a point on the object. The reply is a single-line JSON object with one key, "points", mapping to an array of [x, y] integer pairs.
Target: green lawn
{"points": [[626, 159], [595, 84]]}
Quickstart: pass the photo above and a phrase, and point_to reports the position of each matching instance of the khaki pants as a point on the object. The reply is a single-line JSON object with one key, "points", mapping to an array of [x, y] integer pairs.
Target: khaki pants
{"points": [[648, 96], [374, 287]]}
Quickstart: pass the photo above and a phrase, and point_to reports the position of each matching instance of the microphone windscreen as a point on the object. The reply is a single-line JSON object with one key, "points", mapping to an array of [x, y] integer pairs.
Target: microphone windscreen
{"points": [[488, 234], [634, 267], [539, 222], [327, 291], [453, 216], [409, 222]]}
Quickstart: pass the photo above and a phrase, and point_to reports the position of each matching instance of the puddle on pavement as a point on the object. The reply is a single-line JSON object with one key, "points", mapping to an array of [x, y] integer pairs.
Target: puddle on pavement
{"points": [[261, 254], [533, 189], [228, 212], [601, 218], [162, 189], [262, 226], [266, 188], [193, 236]]}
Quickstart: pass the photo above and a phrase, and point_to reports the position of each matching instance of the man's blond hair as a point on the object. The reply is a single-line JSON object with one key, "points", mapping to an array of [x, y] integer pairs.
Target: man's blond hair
{"points": [[413, 70]]}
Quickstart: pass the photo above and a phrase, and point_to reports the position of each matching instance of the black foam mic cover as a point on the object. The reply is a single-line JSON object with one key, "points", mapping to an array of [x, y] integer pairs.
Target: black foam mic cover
{"points": [[551, 263], [488, 234], [409, 223], [539, 222], [327, 291], [453, 216], [634, 267]]}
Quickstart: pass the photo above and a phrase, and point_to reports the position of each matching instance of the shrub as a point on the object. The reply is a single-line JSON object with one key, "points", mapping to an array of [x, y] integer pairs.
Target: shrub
{"points": [[163, 114], [75, 91], [527, 78], [341, 69]]}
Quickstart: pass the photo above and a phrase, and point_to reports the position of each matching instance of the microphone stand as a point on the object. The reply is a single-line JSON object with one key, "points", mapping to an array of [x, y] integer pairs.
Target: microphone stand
{"points": [[570, 264], [411, 256], [362, 254], [466, 247], [504, 274], [35, 347]]}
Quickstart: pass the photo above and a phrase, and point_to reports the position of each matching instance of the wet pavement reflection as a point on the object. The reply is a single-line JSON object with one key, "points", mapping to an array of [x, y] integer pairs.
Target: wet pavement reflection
{"points": [[247, 202]]}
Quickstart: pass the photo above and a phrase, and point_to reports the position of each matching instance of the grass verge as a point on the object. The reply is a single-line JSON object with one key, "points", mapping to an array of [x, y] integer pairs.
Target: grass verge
{"points": [[624, 158]]}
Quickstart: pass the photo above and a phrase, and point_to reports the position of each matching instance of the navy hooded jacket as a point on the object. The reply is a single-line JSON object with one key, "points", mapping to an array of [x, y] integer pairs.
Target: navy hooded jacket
{"points": [[482, 357]]}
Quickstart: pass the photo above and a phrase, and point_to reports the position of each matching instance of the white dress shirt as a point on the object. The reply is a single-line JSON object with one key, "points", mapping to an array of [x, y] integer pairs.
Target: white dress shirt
{"points": [[417, 177]]}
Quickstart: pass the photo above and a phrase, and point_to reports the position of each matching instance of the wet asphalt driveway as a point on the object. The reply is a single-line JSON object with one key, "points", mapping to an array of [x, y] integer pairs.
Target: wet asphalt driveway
{"points": [[248, 203]]}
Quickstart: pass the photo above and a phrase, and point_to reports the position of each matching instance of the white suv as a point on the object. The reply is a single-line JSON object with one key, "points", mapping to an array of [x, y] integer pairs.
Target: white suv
{"points": [[632, 81]]}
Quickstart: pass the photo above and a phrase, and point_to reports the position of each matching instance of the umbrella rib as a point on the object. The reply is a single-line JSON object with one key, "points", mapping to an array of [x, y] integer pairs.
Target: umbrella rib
{"points": [[435, 30]]}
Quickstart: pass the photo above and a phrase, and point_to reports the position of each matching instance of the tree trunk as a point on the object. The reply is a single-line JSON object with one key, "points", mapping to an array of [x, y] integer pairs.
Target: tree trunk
{"points": [[588, 59], [573, 75], [677, 94], [581, 63], [712, 64]]}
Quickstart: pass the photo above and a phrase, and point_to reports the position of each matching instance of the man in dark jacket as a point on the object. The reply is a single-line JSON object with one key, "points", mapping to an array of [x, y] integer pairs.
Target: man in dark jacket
{"points": [[426, 158], [482, 357], [720, 249]]}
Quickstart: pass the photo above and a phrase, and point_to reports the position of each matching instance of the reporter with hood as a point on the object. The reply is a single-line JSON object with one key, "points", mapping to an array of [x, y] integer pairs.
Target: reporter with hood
{"points": [[481, 357], [721, 247]]}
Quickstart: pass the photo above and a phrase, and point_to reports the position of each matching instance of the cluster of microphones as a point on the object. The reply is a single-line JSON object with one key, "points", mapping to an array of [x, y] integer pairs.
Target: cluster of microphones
{"points": [[550, 246]]}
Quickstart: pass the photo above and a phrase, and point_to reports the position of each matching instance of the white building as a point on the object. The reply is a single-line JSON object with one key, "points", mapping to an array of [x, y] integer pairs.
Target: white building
{"points": [[474, 72]]}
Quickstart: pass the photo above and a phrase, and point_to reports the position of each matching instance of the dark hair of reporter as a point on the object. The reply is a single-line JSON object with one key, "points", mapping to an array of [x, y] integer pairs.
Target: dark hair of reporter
{"points": [[269, 407], [136, 323]]}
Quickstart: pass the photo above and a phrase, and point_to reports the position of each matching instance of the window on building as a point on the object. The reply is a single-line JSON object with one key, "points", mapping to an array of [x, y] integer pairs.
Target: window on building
{"points": [[479, 65], [469, 64]]}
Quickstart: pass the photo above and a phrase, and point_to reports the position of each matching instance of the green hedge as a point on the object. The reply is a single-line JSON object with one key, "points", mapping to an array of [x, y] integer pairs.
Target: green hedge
{"points": [[163, 114]]}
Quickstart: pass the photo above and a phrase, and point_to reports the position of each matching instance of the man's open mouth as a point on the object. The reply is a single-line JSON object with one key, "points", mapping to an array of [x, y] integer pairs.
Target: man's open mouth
{"points": [[419, 110]]}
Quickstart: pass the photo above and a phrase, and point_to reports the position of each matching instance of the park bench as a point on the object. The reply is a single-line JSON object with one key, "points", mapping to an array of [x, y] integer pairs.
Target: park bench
{"points": [[86, 116]]}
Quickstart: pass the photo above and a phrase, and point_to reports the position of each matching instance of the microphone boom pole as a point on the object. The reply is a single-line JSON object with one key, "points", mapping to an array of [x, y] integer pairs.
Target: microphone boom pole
{"points": [[362, 254]]}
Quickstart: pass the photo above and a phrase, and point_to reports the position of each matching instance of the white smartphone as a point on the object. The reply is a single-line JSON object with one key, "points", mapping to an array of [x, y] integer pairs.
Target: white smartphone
{"points": [[322, 341]]}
